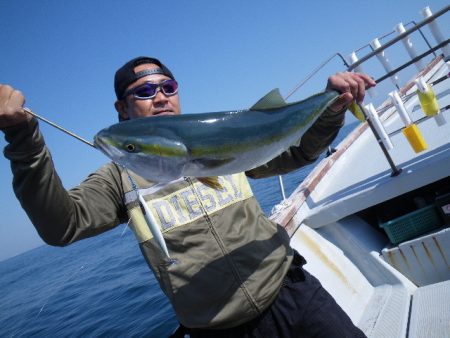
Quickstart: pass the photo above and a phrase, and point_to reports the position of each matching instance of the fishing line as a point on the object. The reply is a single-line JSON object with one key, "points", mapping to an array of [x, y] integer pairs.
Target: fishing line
{"points": [[134, 187], [125, 228], [59, 289], [79, 138], [29, 111], [147, 214], [62, 284]]}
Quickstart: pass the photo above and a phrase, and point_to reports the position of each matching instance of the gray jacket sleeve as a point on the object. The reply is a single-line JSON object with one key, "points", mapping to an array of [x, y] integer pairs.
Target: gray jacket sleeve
{"points": [[60, 216], [315, 140]]}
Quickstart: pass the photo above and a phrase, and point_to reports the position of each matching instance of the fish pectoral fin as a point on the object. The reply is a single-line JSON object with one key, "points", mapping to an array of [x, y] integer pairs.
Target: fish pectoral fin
{"points": [[212, 182], [271, 100]]}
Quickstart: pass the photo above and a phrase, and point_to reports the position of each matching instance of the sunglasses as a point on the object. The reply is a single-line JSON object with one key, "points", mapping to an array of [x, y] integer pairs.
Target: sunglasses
{"points": [[149, 90]]}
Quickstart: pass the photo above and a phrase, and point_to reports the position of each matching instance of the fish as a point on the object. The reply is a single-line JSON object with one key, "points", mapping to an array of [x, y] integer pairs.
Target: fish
{"points": [[154, 228], [208, 145]]}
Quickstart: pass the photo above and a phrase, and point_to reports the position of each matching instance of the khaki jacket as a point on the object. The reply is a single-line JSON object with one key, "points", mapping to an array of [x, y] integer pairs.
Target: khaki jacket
{"points": [[230, 259]]}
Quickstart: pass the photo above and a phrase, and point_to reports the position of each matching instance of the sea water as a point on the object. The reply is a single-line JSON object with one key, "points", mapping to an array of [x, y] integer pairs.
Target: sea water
{"points": [[101, 286]]}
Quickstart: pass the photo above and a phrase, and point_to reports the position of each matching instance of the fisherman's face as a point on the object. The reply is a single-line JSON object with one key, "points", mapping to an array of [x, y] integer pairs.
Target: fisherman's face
{"points": [[131, 107]]}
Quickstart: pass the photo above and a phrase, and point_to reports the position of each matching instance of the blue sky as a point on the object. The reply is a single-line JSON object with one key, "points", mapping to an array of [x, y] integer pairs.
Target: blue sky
{"points": [[226, 55]]}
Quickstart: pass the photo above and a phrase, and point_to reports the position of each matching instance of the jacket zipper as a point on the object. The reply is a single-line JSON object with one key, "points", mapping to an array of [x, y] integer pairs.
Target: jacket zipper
{"points": [[222, 246]]}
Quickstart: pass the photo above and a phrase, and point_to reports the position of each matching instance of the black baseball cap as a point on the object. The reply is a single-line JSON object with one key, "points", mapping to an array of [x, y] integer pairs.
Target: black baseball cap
{"points": [[125, 75]]}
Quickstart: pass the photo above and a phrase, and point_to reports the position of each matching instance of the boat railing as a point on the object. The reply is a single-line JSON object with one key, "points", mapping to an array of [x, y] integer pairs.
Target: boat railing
{"points": [[353, 63]]}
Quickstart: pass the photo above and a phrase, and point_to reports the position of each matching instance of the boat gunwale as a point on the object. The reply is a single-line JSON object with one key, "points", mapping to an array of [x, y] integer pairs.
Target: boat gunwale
{"points": [[286, 216]]}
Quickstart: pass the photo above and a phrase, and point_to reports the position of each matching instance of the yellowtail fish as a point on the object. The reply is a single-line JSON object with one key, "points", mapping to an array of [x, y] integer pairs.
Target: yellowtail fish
{"points": [[165, 148]]}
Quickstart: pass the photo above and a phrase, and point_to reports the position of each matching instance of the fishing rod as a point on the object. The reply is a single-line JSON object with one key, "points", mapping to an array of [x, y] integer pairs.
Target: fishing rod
{"points": [[68, 132]]}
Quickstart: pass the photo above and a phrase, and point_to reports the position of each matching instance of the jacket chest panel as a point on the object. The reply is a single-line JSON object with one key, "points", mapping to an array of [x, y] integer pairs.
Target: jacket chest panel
{"points": [[188, 202]]}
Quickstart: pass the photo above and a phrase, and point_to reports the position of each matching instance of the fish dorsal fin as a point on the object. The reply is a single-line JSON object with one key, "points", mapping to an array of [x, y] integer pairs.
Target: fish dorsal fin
{"points": [[271, 100]]}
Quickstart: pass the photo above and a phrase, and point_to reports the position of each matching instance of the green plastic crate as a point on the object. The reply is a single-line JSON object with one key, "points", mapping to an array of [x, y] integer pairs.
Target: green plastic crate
{"points": [[412, 225]]}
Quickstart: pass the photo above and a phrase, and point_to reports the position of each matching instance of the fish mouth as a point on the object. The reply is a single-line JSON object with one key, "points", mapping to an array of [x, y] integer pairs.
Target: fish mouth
{"points": [[99, 143], [104, 144]]}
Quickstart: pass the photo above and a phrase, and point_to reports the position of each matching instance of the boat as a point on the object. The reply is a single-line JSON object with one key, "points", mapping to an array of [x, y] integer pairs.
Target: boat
{"points": [[373, 218]]}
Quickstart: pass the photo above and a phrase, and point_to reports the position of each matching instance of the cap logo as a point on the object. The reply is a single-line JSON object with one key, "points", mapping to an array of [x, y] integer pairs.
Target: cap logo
{"points": [[146, 72]]}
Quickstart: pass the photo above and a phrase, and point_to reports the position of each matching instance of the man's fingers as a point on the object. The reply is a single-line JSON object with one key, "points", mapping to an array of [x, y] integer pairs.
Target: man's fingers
{"points": [[369, 82], [360, 91], [11, 104], [353, 83], [11, 100]]}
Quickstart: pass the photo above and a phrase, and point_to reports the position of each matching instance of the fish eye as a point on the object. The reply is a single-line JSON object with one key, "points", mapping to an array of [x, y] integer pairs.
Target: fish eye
{"points": [[130, 147]]}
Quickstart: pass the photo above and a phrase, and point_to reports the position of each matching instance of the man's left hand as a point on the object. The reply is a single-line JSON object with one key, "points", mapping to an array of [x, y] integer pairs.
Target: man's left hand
{"points": [[352, 86]]}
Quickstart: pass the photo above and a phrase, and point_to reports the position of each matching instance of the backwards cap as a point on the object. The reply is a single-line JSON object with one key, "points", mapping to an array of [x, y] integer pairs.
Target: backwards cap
{"points": [[125, 75]]}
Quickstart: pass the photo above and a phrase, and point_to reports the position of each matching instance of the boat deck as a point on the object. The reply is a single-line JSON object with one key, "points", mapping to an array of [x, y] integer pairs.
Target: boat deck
{"points": [[430, 312]]}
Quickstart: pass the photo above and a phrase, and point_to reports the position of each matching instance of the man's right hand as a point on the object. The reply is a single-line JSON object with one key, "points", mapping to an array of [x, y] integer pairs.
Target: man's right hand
{"points": [[11, 104]]}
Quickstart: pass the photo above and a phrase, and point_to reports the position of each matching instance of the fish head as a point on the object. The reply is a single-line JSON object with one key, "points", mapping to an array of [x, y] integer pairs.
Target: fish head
{"points": [[153, 153]]}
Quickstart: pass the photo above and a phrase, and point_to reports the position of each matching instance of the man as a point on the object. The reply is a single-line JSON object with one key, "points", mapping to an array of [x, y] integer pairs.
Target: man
{"points": [[234, 273]]}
